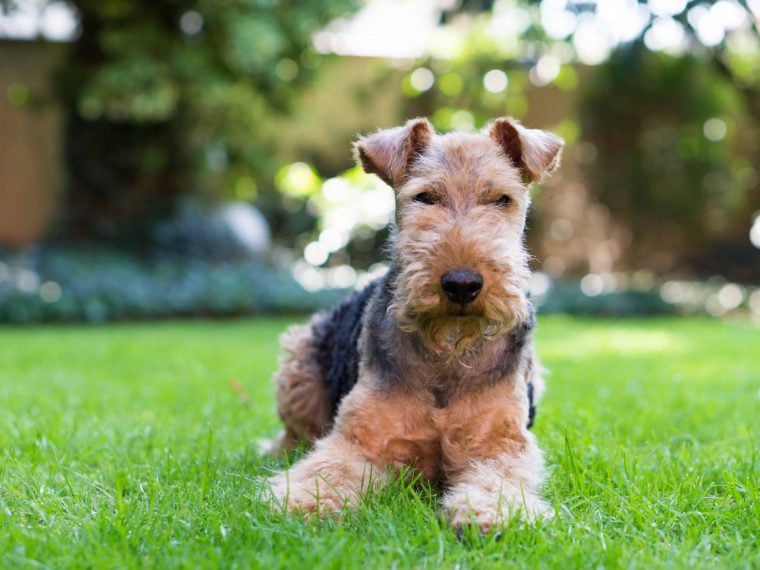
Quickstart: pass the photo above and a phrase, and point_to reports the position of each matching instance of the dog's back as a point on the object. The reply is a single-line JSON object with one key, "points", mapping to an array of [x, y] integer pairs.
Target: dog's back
{"points": [[335, 335]]}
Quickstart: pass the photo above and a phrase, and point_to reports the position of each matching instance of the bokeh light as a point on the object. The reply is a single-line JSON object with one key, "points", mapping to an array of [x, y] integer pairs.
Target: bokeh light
{"points": [[495, 81], [422, 79]]}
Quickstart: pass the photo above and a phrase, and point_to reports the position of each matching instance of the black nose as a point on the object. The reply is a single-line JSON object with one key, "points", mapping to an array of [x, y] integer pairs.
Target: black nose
{"points": [[462, 285]]}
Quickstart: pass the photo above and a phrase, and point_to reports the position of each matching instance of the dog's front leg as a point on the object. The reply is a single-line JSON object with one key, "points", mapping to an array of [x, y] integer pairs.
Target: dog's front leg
{"points": [[495, 466], [334, 475], [490, 491]]}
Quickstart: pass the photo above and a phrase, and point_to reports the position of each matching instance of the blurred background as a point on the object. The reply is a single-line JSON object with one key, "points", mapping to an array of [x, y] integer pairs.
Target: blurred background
{"points": [[167, 158]]}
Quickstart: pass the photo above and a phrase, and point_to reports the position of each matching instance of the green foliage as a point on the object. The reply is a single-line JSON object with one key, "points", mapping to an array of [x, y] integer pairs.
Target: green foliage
{"points": [[124, 446], [667, 162], [167, 98], [458, 99], [90, 284]]}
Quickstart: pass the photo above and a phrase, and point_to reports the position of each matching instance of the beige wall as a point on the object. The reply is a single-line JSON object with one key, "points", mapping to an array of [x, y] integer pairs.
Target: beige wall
{"points": [[30, 172]]}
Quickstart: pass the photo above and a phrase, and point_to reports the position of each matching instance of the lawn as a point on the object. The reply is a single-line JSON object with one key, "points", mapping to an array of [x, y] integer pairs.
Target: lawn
{"points": [[126, 446]]}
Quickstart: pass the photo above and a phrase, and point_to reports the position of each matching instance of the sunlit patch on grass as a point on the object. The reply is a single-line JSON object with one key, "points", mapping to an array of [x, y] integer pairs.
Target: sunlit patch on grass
{"points": [[619, 341]]}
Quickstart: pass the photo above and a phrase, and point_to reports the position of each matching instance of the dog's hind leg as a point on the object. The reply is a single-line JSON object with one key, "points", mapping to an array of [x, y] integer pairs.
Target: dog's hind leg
{"points": [[302, 401]]}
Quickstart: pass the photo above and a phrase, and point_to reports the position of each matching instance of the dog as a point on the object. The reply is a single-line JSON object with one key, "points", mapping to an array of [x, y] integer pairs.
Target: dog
{"points": [[432, 366]]}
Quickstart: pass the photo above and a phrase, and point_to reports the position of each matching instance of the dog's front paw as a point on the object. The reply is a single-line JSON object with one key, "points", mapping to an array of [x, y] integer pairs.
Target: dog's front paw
{"points": [[489, 512], [313, 496]]}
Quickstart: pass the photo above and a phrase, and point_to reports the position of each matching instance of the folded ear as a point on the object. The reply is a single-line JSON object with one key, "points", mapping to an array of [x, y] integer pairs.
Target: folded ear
{"points": [[390, 153], [533, 151]]}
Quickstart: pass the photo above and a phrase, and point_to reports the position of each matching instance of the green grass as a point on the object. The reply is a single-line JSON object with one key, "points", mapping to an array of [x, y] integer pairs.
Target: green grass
{"points": [[124, 446]]}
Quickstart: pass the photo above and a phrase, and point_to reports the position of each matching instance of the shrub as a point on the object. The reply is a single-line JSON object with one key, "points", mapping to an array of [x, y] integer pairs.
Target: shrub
{"points": [[96, 285]]}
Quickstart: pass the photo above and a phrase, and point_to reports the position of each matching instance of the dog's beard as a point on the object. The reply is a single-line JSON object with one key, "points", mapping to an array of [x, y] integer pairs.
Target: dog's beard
{"points": [[457, 335], [418, 307]]}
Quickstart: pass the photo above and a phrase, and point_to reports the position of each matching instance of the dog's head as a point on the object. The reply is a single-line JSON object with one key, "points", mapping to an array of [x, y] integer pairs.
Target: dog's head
{"points": [[462, 200]]}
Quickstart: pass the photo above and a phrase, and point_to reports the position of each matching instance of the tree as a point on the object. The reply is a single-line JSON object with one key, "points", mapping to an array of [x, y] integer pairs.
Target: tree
{"points": [[165, 98]]}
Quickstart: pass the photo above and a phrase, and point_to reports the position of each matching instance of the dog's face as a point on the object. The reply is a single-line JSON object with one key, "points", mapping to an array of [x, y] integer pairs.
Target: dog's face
{"points": [[462, 200]]}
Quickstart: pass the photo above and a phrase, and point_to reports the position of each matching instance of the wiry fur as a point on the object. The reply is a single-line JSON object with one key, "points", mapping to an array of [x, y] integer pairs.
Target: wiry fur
{"points": [[399, 375], [302, 400]]}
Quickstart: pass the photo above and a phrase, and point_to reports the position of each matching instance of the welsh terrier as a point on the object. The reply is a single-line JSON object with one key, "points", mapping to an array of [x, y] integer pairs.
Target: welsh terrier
{"points": [[431, 366]]}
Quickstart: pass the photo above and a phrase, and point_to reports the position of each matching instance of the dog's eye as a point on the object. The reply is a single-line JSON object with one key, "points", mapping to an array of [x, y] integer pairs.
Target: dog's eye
{"points": [[425, 198], [504, 200]]}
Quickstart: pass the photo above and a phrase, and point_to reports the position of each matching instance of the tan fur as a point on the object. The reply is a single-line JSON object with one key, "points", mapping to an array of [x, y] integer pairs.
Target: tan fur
{"points": [[388, 153], [537, 152], [334, 475], [391, 429], [448, 417], [301, 397], [493, 490], [495, 468]]}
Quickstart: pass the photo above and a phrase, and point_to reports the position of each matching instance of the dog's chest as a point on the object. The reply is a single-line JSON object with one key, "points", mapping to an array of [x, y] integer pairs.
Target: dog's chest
{"points": [[446, 379], [410, 429]]}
